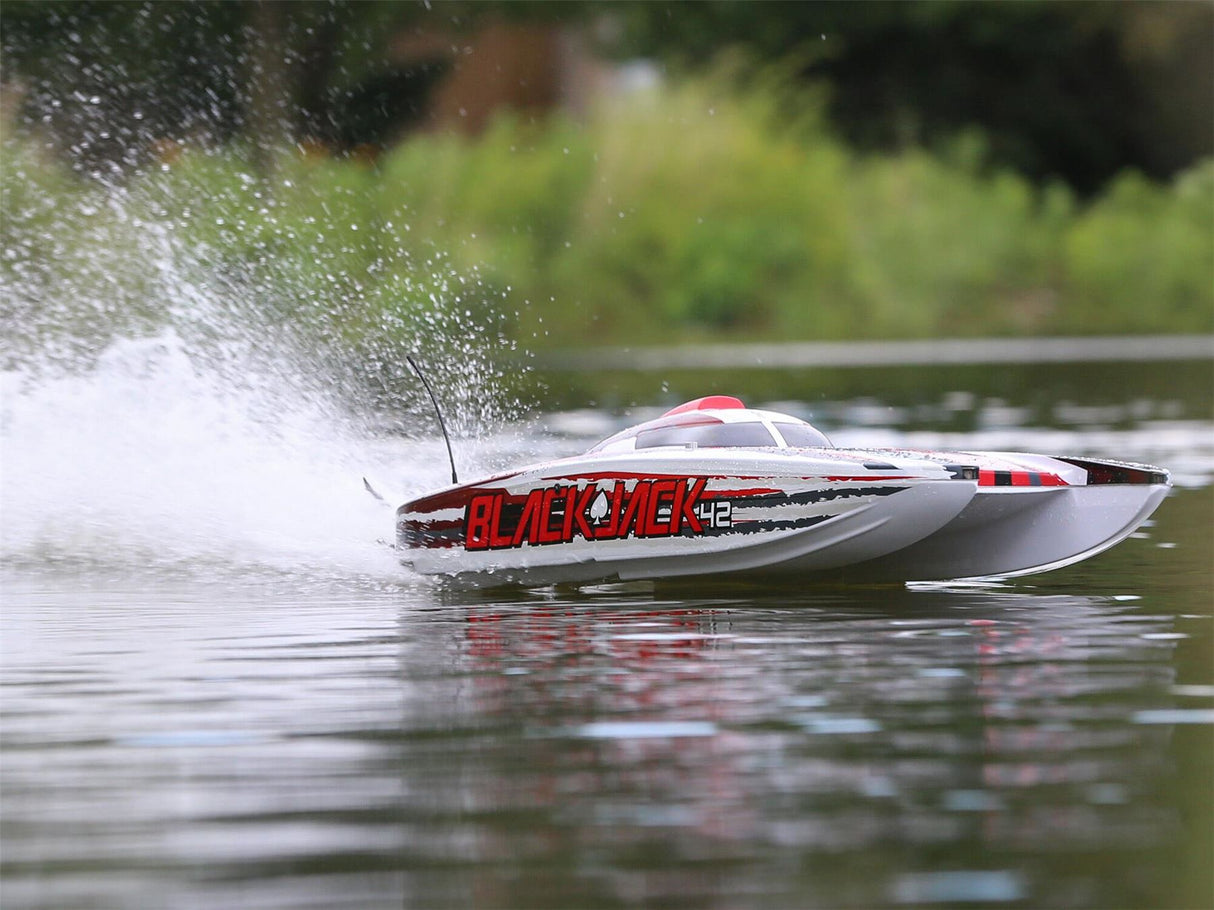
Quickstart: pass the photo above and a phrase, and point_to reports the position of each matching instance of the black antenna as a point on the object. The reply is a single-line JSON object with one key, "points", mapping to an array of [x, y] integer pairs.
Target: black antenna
{"points": [[438, 411]]}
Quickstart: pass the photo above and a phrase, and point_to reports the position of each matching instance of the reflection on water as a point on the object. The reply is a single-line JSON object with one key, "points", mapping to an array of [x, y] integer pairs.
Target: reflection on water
{"points": [[775, 742], [192, 744]]}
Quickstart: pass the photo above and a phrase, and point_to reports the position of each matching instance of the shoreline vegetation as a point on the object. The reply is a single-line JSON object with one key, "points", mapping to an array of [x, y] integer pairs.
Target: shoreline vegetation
{"points": [[694, 212]]}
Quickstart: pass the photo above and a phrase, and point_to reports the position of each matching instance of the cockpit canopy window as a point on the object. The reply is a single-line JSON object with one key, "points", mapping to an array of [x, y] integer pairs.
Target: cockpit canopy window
{"points": [[708, 435], [801, 434]]}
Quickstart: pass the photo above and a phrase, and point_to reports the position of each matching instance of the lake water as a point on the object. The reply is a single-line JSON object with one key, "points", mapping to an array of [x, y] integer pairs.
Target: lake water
{"points": [[218, 689]]}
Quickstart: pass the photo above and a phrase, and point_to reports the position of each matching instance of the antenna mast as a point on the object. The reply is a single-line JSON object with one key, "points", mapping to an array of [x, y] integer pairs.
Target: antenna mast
{"points": [[438, 411]]}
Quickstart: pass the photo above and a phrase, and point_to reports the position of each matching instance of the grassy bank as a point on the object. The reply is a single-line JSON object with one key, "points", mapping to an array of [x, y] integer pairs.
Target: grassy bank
{"points": [[696, 211]]}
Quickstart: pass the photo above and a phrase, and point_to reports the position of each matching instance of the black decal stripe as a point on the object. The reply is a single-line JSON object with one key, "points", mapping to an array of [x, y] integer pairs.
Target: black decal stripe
{"points": [[762, 527], [811, 497], [1107, 471], [415, 538]]}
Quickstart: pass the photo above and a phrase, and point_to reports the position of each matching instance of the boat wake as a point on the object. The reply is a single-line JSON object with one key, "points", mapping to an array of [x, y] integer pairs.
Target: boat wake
{"points": [[147, 460]]}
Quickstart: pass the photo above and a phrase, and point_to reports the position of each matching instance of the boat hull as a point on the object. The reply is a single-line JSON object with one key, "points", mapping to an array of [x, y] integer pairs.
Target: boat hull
{"points": [[714, 488], [645, 518], [1008, 533]]}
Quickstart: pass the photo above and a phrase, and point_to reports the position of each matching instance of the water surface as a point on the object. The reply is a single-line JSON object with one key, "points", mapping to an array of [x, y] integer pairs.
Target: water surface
{"points": [[219, 690]]}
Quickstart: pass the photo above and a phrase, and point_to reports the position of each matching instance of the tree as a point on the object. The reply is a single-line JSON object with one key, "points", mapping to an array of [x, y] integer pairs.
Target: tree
{"points": [[109, 81], [1071, 90]]}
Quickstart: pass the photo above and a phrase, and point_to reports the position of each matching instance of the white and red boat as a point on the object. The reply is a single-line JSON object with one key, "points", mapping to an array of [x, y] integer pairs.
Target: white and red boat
{"points": [[715, 488]]}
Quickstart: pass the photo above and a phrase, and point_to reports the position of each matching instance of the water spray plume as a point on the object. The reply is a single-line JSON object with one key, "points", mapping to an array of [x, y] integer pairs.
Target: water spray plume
{"points": [[193, 378]]}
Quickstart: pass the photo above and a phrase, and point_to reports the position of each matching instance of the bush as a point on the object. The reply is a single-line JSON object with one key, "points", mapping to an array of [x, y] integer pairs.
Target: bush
{"points": [[696, 210], [1141, 258], [941, 249]]}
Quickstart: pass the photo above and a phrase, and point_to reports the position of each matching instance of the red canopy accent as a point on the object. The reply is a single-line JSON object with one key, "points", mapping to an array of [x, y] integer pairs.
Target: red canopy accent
{"points": [[720, 402]]}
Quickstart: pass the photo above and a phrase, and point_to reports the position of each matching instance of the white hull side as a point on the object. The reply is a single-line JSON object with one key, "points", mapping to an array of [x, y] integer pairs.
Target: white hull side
{"points": [[863, 533], [1018, 531], [844, 531]]}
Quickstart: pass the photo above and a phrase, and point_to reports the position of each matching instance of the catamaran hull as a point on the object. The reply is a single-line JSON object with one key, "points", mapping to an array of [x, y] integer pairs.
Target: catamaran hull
{"points": [[1010, 533], [715, 488]]}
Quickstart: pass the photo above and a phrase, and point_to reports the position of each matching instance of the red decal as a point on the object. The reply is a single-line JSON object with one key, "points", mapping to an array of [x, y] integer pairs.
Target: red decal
{"points": [[723, 402], [690, 501], [634, 515], [529, 525], [992, 478], [567, 524], [496, 539], [660, 499], [562, 513], [609, 531], [583, 507], [547, 535], [480, 513]]}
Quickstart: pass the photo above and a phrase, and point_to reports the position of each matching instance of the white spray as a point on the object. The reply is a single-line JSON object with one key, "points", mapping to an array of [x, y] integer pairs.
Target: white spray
{"points": [[199, 439]]}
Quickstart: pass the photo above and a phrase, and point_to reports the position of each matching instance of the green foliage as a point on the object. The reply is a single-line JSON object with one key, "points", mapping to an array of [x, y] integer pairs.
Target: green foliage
{"points": [[705, 215], [939, 249], [690, 211], [1142, 257]]}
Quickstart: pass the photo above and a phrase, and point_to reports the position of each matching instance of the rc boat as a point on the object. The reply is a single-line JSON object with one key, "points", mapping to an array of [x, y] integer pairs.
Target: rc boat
{"points": [[713, 487]]}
